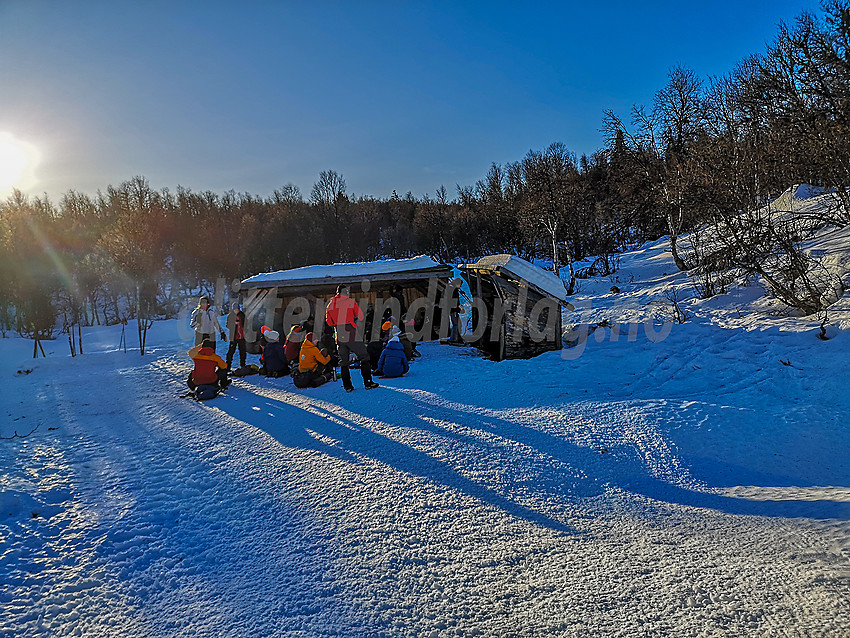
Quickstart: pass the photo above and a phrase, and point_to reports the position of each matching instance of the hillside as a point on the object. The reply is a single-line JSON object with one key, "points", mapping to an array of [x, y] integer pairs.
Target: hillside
{"points": [[691, 484]]}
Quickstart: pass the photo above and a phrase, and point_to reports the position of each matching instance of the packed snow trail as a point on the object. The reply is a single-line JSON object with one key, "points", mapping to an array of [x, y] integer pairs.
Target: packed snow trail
{"points": [[164, 517], [526, 498]]}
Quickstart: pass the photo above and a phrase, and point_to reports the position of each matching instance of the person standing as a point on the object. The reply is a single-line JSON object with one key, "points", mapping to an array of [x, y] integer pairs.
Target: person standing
{"points": [[236, 335], [204, 321], [454, 313], [342, 314]]}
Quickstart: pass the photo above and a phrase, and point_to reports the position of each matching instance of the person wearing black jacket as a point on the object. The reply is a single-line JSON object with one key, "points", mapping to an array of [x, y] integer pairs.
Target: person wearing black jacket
{"points": [[274, 358], [236, 336]]}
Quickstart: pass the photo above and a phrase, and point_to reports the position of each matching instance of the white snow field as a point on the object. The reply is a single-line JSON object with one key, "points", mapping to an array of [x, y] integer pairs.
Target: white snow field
{"points": [[693, 485]]}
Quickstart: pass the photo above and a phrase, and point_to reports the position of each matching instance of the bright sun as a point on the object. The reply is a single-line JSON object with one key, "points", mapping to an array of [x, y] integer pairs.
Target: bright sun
{"points": [[18, 160]]}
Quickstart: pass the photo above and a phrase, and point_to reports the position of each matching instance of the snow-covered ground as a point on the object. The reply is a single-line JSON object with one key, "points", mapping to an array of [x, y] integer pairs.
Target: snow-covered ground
{"points": [[692, 485]]}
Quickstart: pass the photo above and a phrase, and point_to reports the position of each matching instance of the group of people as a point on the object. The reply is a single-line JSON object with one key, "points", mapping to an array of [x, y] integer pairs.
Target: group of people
{"points": [[309, 360], [301, 357]]}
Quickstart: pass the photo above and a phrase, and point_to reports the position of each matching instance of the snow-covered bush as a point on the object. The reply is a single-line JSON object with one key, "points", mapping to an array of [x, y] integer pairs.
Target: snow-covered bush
{"points": [[768, 243]]}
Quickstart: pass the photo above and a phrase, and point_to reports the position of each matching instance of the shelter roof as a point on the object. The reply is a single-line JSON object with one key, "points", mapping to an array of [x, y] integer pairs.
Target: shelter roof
{"points": [[519, 269], [421, 267]]}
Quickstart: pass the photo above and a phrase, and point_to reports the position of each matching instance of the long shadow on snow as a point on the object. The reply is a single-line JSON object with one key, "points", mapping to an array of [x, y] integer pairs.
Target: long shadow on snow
{"points": [[162, 502], [621, 471], [291, 426]]}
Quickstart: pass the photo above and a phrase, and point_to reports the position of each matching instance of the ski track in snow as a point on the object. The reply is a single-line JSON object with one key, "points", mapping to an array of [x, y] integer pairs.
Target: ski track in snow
{"points": [[697, 486], [426, 507]]}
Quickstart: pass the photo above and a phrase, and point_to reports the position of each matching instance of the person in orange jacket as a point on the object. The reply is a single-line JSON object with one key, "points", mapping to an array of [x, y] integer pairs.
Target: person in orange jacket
{"points": [[342, 314], [313, 364], [210, 369]]}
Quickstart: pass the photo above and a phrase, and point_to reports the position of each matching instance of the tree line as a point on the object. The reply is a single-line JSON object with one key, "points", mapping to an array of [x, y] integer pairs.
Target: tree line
{"points": [[701, 161]]}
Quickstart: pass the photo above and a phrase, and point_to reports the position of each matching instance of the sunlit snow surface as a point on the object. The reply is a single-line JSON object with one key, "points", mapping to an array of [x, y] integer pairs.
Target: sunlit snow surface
{"points": [[697, 486]]}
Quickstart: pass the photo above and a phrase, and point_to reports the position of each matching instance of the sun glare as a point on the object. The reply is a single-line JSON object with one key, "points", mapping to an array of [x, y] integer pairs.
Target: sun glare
{"points": [[18, 160]]}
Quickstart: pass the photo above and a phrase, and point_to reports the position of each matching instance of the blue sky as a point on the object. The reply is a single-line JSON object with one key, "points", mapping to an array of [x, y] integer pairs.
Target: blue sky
{"points": [[397, 95]]}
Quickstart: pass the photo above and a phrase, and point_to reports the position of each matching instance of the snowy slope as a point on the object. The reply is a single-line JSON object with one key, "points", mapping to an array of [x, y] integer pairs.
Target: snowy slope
{"points": [[691, 485]]}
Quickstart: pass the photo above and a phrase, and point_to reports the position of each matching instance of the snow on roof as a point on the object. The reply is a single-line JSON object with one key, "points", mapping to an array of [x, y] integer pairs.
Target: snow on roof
{"points": [[341, 271], [547, 281]]}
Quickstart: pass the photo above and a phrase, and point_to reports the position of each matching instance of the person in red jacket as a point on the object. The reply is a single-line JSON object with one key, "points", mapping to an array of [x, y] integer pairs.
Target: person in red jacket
{"points": [[342, 314], [236, 335], [210, 369], [292, 347]]}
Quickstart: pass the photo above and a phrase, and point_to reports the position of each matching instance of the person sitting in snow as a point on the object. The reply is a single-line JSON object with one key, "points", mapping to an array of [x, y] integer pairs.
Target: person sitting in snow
{"points": [[375, 347], [210, 369], [274, 358], [393, 361], [314, 365], [409, 347], [261, 344], [294, 341]]}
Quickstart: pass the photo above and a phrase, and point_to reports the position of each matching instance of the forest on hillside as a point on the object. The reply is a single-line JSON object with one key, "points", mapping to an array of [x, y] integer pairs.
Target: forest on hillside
{"points": [[699, 165]]}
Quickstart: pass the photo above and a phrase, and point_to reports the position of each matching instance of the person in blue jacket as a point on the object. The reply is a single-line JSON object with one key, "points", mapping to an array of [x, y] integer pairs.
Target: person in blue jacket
{"points": [[393, 362]]}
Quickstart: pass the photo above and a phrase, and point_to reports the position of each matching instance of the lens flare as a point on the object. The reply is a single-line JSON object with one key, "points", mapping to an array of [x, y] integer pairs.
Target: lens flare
{"points": [[18, 160]]}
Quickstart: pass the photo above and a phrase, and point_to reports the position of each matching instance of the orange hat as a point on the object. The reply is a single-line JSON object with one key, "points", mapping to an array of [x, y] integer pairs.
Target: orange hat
{"points": [[386, 325]]}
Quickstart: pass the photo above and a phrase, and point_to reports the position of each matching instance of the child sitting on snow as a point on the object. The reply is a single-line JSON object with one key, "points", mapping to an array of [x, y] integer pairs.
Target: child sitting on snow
{"points": [[274, 358], [292, 347], [393, 361]]}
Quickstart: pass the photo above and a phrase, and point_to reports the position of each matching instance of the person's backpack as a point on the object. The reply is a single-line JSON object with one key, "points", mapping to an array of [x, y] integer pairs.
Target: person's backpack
{"points": [[301, 379], [206, 392]]}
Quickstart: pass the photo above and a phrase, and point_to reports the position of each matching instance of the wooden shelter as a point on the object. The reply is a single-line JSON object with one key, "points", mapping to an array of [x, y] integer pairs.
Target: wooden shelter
{"points": [[516, 310], [285, 297]]}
